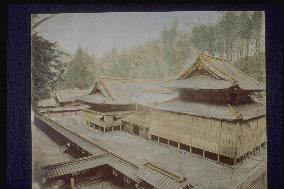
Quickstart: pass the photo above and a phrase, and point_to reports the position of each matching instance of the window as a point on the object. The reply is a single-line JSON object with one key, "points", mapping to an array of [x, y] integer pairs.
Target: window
{"points": [[173, 143], [154, 137]]}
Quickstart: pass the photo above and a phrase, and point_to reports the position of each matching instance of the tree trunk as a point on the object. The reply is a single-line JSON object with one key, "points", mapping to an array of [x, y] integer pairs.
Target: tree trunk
{"points": [[247, 53]]}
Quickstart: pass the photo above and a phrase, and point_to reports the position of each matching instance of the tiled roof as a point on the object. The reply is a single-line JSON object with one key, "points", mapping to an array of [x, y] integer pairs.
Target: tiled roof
{"points": [[66, 108], [216, 111], [69, 95], [127, 91], [60, 169], [223, 69], [93, 98], [137, 118], [84, 143], [158, 179], [199, 83], [47, 103]]}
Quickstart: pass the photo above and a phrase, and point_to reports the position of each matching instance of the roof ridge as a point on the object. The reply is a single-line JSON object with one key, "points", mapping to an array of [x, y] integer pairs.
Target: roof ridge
{"points": [[74, 160], [230, 79], [158, 103], [105, 88], [129, 79], [246, 75], [164, 171], [215, 57], [231, 63], [201, 56]]}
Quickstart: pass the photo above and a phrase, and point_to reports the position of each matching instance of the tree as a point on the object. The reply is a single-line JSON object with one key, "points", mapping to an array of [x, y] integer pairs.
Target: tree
{"points": [[203, 37], [169, 36], [245, 30], [231, 36], [46, 67], [79, 73], [257, 21]]}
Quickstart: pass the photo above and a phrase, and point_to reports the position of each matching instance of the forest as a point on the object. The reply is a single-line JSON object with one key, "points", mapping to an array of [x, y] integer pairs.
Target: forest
{"points": [[238, 36]]}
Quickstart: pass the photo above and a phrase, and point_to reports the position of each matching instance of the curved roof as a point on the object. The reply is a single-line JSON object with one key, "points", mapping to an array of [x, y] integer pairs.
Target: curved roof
{"points": [[224, 72], [215, 111], [199, 84]]}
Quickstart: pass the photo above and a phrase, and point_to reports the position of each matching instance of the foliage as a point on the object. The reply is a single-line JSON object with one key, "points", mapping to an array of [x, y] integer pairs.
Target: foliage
{"points": [[79, 71], [162, 57], [253, 66], [46, 67], [235, 36]]}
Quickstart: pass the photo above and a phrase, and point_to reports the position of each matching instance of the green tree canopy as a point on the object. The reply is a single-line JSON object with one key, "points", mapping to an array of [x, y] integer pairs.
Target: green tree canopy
{"points": [[46, 67], [80, 71]]}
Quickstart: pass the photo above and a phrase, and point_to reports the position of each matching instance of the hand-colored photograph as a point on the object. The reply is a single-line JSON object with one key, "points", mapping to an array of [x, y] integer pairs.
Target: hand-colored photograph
{"points": [[149, 100]]}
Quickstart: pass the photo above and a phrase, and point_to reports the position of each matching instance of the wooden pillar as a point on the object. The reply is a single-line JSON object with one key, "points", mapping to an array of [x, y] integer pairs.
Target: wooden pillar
{"points": [[104, 129], [168, 142], [235, 161], [203, 155], [136, 108], [178, 145], [72, 183], [218, 158], [190, 150], [158, 139], [120, 127]]}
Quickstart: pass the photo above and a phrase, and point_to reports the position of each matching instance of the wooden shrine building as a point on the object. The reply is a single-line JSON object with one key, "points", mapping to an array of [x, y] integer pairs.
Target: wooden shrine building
{"points": [[112, 100], [214, 115]]}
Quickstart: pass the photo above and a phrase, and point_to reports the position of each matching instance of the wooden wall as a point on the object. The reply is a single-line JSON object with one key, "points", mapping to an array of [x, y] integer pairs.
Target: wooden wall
{"points": [[250, 135], [90, 116], [143, 131], [220, 137], [101, 119]]}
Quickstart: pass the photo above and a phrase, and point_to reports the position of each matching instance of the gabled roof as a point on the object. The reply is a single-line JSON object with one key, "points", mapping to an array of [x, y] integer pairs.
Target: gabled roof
{"points": [[199, 83], [221, 74], [69, 95], [128, 91]]}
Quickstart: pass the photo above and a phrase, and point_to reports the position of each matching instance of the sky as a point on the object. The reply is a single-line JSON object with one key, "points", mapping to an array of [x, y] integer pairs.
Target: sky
{"points": [[100, 32]]}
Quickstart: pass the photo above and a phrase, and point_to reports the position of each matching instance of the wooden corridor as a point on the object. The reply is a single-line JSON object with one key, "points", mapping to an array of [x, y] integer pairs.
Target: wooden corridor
{"points": [[101, 157]]}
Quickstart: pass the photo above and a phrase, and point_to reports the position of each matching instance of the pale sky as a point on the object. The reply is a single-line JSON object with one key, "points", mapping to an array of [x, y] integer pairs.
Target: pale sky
{"points": [[99, 32]]}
